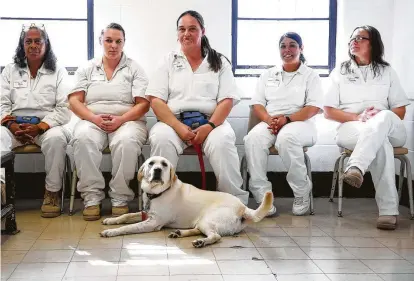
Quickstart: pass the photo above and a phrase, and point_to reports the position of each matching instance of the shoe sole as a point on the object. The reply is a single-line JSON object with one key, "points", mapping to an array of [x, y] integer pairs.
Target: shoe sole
{"points": [[353, 181], [386, 226], [91, 218], [49, 215]]}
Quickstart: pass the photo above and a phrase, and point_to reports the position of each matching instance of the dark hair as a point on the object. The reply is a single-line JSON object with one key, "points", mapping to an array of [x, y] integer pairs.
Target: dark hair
{"points": [[214, 57], [377, 51], [114, 25], [297, 38], [49, 59]]}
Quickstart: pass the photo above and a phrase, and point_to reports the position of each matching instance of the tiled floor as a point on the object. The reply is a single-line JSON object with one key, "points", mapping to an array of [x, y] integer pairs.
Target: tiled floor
{"points": [[284, 248]]}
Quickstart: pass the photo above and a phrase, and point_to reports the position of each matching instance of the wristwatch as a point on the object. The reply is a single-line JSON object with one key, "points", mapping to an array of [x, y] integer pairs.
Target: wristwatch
{"points": [[212, 124]]}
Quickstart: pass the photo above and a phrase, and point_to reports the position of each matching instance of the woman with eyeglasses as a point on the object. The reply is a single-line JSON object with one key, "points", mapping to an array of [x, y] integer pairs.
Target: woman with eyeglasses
{"points": [[287, 97], [366, 97], [34, 108], [109, 98]]}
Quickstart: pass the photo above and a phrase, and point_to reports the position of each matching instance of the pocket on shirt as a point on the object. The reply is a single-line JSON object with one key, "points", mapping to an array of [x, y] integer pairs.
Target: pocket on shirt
{"points": [[206, 85], [126, 92], [46, 97]]}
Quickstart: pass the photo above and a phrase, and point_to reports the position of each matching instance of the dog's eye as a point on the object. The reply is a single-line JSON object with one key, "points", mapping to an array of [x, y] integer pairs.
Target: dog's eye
{"points": [[151, 163], [164, 164]]}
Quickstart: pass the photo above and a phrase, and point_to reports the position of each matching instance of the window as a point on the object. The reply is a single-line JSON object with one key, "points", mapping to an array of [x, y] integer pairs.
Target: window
{"points": [[69, 25], [258, 25]]}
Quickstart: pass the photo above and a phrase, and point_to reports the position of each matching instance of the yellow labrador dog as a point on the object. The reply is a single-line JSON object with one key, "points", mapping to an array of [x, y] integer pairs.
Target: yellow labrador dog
{"points": [[175, 204]]}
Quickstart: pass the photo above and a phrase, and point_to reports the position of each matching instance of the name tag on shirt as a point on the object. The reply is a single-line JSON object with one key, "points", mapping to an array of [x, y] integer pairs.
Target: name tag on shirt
{"points": [[98, 77], [352, 79], [20, 84], [178, 65], [273, 82]]}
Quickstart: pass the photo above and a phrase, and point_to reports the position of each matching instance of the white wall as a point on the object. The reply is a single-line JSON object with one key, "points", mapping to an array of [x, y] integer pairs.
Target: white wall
{"points": [[150, 33], [403, 61]]}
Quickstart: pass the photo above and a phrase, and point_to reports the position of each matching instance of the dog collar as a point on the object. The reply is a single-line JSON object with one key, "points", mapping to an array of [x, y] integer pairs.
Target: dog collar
{"points": [[153, 196]]}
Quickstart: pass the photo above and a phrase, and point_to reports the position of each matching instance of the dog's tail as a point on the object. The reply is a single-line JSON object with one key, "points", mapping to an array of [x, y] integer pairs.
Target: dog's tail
{"points": [[261, 212]]}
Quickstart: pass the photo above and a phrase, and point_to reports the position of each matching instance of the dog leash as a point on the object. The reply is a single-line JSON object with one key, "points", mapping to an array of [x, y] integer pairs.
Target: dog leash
{"points": [[197, 148]]}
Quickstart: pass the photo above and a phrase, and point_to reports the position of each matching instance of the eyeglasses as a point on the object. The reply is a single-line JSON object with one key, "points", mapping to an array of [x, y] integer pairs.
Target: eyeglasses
{"points": [[27, 27], [358, 39]]}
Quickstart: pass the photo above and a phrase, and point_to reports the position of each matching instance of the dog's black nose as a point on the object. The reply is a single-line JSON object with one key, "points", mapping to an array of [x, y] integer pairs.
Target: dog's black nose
{"points": [[157, 174]]}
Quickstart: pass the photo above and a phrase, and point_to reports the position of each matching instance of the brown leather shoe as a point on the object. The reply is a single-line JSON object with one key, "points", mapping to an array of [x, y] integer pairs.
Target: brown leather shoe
{"points": [[387, 222], [51, 205], [92, 213], [353, 177], [120, 210]]}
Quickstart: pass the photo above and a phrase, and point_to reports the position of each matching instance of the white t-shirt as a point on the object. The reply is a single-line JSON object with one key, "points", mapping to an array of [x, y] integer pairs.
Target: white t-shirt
{"points": [[285, 93], [115, 96], [352, 93], [184, 90]]}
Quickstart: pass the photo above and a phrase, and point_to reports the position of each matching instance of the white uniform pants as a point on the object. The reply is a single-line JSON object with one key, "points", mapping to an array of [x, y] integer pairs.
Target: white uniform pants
{"points": [[372, 143], [289, 142], [53, 144], [219, 147], [125, 144]]}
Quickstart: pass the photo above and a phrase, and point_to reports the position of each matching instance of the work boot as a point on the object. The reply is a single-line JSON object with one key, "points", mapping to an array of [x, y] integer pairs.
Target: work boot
{"points": [[51, 205], [92, 213], [353, 176]]}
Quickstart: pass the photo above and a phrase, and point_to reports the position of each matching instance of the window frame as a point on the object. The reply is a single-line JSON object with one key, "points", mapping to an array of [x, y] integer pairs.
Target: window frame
{"points": [[90, 33], [333, 7]]}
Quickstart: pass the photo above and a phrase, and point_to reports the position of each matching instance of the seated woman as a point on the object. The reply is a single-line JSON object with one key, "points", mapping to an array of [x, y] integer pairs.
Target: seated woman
{"points": [[34, 108], [109, 97], [286, 99], [366, 97], [196, 78]]}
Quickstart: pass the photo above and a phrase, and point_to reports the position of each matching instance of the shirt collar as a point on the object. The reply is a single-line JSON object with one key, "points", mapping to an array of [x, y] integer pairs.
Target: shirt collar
{"points": [[301, 70], [99, 61], [42, 69]]}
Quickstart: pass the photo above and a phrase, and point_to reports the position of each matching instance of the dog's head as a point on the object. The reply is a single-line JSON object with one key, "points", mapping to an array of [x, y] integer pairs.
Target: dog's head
{"points": [[156, 175]]}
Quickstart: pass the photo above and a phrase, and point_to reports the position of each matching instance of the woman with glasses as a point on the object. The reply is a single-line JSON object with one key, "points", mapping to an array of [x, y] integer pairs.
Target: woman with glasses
{"points": [[109, 98], [287, 97], [34, 108], [366, 97]]}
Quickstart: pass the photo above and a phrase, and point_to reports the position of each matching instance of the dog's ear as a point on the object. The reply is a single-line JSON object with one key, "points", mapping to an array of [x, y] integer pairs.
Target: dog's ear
{"points": [[173, 176], [141, 172]]}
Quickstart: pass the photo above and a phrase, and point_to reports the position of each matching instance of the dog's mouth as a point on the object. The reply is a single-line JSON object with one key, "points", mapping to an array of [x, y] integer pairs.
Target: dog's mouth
{"points": [[155, 181]]}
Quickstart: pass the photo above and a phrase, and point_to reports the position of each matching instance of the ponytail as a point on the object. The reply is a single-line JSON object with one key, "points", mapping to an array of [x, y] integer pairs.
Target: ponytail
{"points": [[213, 57]]}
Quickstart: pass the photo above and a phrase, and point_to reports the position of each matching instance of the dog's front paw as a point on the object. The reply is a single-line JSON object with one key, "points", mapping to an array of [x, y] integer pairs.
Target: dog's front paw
{"points": [[175, 234], [199, 243], [109, 233], [109, 221]]}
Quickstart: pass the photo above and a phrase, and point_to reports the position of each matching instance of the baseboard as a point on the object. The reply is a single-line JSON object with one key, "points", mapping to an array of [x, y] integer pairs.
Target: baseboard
{"points": [[31, 185]]}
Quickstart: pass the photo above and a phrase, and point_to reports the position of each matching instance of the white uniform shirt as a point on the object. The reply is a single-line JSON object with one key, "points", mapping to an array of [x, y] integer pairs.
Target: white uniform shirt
{"points": [[44, 96], [285, 93], [184, 90], [115, 96], [352, 93]]}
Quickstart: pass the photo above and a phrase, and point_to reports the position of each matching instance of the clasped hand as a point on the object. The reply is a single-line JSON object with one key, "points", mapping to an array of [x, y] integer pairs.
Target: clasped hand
{"points": [[276, 123], [108, 122]]}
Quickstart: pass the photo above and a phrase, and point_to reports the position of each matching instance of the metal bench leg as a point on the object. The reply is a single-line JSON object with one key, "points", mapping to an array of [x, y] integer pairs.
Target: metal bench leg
{"points": [[340, 183], [309, 169], [141, 160], [334, 179], [72, 191], [409, 185], [401, 177], [65, 169], [243, 171]]}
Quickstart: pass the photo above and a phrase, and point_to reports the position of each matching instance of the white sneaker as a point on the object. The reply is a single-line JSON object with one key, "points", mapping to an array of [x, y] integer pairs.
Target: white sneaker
{"points": [[271, 212], [301, 205]]}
